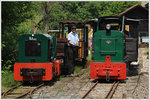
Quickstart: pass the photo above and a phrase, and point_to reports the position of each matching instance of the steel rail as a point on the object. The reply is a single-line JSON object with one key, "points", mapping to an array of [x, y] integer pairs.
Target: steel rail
{"points": [[3, 96], [22, 95], [112, 90], [90, 90], [31, 92]]}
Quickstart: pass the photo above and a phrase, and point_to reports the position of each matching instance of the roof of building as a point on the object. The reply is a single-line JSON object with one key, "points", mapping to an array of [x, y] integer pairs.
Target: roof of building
{"points": [[131, 8]]}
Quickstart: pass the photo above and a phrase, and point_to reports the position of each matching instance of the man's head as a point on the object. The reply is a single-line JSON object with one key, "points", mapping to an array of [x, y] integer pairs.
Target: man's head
{"points": [[73, 29]]}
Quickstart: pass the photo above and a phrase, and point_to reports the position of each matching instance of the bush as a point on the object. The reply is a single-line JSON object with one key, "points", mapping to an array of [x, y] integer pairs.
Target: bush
{"points": [[8, 79], [147, 52]]}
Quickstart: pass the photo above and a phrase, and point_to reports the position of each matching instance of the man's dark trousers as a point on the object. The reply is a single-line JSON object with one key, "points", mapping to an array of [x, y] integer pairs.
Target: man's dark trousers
{"points": [[71, 53]]}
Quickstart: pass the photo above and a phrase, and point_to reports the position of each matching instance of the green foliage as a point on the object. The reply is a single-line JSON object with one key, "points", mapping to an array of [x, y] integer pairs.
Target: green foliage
{"points": [[9, 63], [86, 10], [61, 77], [89, 55], [77, 69], [3, 44], [147, 53], [60, 90], [16, 20], [12, 11], [8, 79]]}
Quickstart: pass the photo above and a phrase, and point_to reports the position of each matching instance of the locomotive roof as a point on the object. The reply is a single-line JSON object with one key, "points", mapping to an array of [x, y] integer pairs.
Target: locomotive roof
{"points": [[107, 17], [111, 19], [28, 35], [48, 36]]}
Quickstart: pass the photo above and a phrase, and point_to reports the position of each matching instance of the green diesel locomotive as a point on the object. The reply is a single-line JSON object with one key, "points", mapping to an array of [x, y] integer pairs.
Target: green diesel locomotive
{"points": [[36, 58], [112, 49]]}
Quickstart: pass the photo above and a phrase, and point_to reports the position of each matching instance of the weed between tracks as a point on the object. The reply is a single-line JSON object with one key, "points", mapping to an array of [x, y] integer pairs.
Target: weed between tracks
{"points": [[77, 69], [61, 77], [60, 90]]}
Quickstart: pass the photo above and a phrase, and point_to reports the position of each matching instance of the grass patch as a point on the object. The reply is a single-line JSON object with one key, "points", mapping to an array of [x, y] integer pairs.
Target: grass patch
{"points": [[7, 80], [61, 77], [89, 55], [77, 69], [146, 52]]}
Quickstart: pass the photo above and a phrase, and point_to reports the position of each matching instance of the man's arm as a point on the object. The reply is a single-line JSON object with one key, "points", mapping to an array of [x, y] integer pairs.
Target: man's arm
{"points": [[70, 42], [78, 43]]}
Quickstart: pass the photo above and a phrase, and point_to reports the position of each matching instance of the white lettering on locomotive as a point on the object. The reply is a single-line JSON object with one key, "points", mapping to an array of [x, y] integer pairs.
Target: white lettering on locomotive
{"points": [[31, 38]]}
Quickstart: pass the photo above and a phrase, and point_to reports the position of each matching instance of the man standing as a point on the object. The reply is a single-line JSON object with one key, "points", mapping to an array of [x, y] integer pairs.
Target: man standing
{"points": [[73, 37], [73, 40]]}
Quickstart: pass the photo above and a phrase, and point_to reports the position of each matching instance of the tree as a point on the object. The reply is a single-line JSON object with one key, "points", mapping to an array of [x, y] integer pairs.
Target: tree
{"points": [[46, 9], [13, 13], [85, 10]]}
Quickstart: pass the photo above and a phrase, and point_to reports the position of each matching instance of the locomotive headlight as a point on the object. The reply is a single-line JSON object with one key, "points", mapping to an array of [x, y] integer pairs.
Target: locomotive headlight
{"points": [[32, 35], [108, 26], [96, 19]]}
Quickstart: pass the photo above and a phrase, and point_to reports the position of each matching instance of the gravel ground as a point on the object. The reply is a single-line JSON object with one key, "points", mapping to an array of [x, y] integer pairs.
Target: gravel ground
{"points": [[67, 88], [136, 86], [142, 88]]}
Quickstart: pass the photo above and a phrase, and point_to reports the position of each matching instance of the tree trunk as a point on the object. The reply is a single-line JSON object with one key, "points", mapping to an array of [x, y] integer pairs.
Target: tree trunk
{"points": [[47, 8], [46, 25]]}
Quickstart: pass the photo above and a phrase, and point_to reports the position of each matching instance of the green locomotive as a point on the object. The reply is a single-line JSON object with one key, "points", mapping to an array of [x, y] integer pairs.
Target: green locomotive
{"points": [[112, 49], [36, 58]]}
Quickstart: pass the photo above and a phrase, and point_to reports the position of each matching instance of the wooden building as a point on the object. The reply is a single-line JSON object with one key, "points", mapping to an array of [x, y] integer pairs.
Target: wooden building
{"points": [[137, 21]]}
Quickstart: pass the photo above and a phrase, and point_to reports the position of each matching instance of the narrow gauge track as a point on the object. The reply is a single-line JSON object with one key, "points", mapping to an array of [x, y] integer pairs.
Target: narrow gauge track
{"points": [[112, 90], [20, 91], [110, 93]]}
